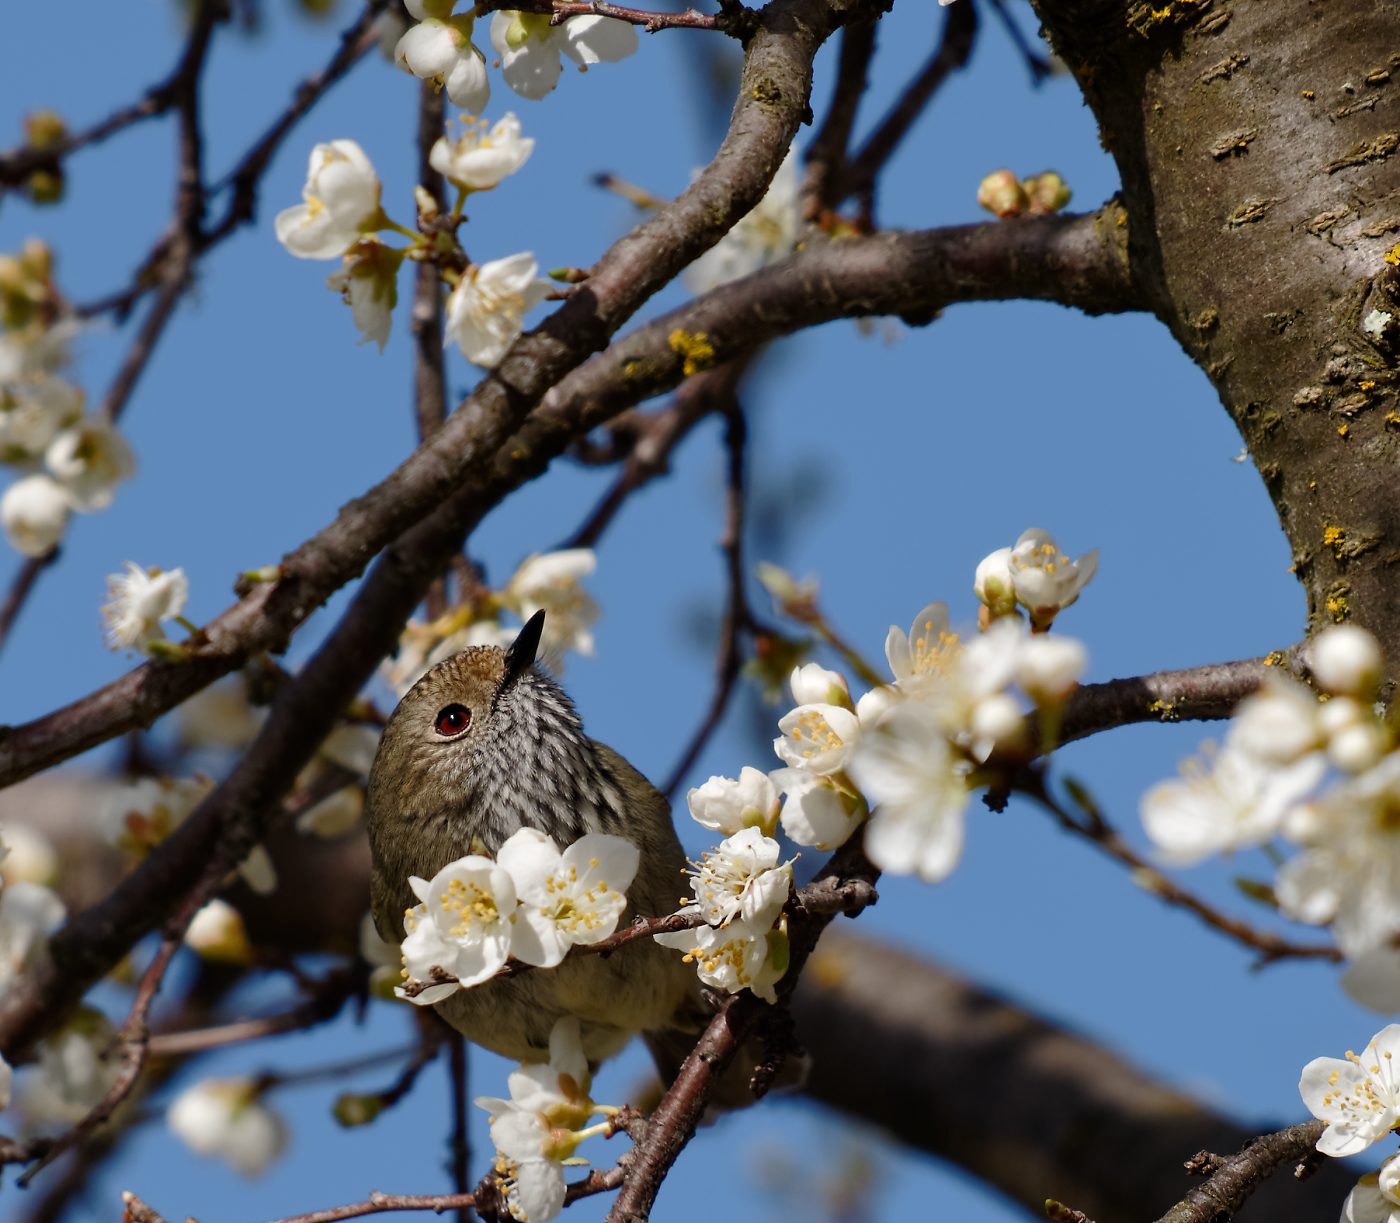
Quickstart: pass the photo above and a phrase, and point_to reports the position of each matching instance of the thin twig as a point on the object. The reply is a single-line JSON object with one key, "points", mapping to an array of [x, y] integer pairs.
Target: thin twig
{"points": [[134, 1042], [1098, 832], [1036, 64], [738, 619], [826, 153], [1234, 1179], [459, 1143], [953, 52], [19, 591]]}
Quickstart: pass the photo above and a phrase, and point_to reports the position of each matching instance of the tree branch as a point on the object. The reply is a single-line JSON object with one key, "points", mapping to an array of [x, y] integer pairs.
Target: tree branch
{"points": [[1234, 1179]]}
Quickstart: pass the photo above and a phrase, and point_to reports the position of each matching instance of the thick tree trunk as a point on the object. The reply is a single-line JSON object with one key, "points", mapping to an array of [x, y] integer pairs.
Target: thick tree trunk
{"points": [[1259, 147]]}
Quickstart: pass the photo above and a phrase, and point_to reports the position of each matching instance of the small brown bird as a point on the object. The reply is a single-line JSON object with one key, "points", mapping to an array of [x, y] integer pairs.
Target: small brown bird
{"points": [[483, 745]]}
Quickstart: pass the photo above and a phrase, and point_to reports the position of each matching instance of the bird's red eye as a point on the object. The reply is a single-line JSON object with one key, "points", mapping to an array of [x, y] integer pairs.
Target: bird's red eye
{"points": [[453, 720]]}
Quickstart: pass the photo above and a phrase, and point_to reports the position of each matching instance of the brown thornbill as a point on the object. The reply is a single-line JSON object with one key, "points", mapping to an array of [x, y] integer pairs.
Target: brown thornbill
{"points": [[483, 745]]}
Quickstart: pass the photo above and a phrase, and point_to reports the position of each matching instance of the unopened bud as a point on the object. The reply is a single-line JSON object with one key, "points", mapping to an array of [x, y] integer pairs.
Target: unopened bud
{"points": [[43, 129], [1046, 192], [218, 934], [1001, 194], [45, 186], [352, 1109], [992, 584], [1347, 660], [427, 204]]}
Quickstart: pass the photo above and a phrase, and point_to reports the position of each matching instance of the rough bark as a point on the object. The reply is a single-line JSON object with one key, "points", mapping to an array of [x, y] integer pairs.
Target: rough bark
{"points": [[1259, 147]]}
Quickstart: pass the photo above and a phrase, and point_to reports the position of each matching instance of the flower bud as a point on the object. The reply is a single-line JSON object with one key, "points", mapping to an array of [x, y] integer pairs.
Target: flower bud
{"points": [[992, 583], [43, 129], [1001, 194], [218, 934], [1346, 660], [1046, 192]]}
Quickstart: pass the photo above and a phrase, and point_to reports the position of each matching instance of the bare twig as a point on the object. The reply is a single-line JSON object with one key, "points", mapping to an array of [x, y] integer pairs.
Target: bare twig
{"points": [[19, 591], [1036, 64], [953, 51], [384, 1203], [136, 1211], [738, 619], [459, 1144], [826, 152], [1234, 1179], [1094, 829]]}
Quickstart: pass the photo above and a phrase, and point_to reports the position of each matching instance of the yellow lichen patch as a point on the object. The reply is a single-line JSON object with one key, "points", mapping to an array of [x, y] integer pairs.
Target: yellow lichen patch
{"points": [[1392, 256], [1344, 431], [1366, 385], [1392, 417], [1338, 607], [1274, 658], [1166, 710], [1335, 538], [1308, 95], [1312, 486], [694, 348]]}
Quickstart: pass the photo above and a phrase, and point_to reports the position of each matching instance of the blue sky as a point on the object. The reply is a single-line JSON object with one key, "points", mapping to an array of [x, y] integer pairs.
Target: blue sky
{"points": [[903, 457]]}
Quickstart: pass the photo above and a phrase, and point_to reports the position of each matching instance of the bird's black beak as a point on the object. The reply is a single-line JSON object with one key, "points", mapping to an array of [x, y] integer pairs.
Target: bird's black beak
{"points": [[522, 650]]}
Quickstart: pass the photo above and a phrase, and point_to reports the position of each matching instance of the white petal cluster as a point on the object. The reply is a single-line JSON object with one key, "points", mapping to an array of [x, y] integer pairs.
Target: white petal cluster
{"points": [[138, 601], [226, 1118], [1376, 1198], [541, 1125], [217, 933], [1358, 1097], [77, 1065], [552, 582], [439, 48], [1035, 574], [368, 283], [533, 902], [29, 913], [481, 157], [742, 878], [729, 805], [486, 311], [34, 513], [340, 203], [767, 233], [530, 47]]}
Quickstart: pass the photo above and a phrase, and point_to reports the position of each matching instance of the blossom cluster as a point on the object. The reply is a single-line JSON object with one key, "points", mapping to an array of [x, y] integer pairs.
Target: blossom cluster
{"points": [[549, 582], [904, 756], [542, 1124], [1323, 774], [65, 458], [532, 902], [341, 217]]}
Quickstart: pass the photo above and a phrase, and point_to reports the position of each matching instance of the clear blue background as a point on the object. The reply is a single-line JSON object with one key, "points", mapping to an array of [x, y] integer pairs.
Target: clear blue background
{"points": [[900, 459]]}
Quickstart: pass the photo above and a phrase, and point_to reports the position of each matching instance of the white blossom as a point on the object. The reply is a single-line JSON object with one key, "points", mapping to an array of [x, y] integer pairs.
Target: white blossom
{"points": [[341, 201], [77, 1066], [818, 738], [217, 933], [1277, 724], [1228, 800], [138, 601], [29, 913], [34, 512], [574, 897], [1046, 581], [742, 878], [1359, 1098], [144, 812], [27, 856], [530, 47], [533, 1189], [552, 582], [368, 284], [919, 658], [917, 790], [226, 1118], [814, 811], [481, 157], [726, 804], [334, 815], [1349, 871], [1346, 661], [742, 955], [219, 716], [767, 233], [32, 413], [486, 311], [89, 460], [440, 49], [462, 926], [1048, 667], [352, 746], [1376, 1198]]}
